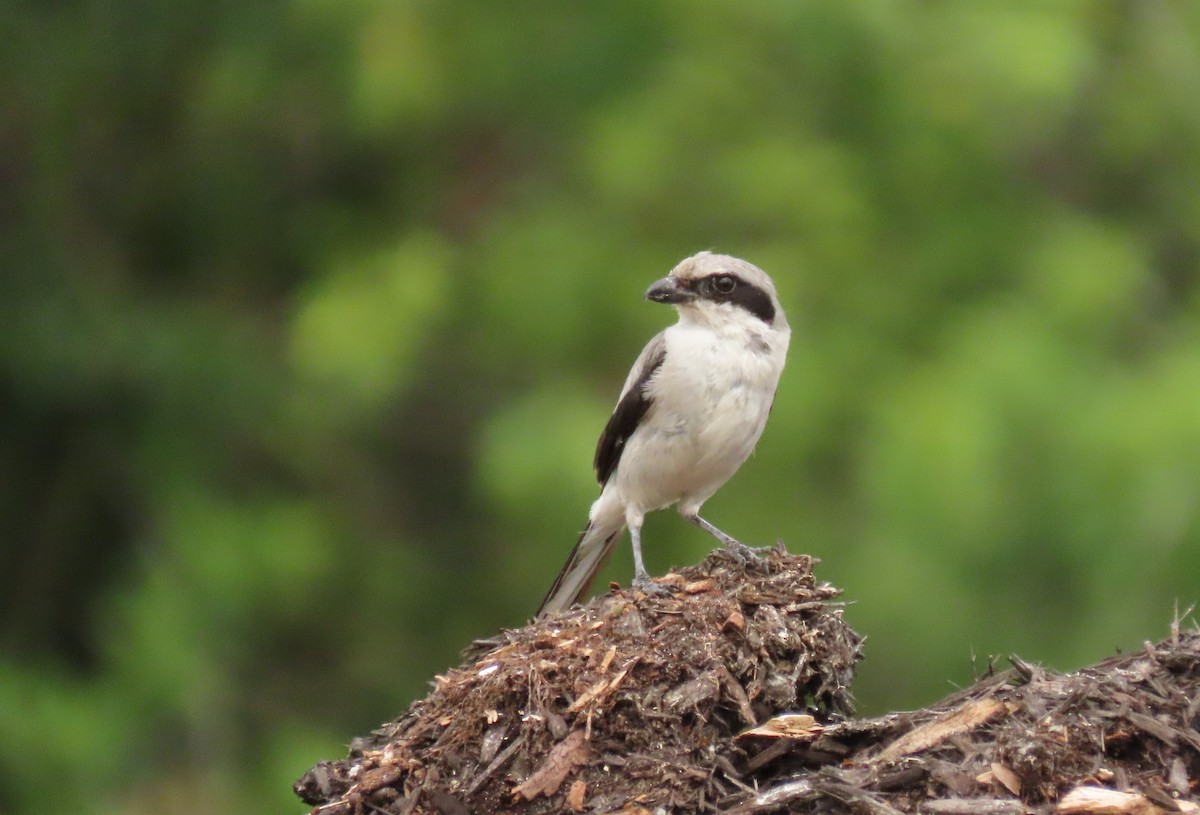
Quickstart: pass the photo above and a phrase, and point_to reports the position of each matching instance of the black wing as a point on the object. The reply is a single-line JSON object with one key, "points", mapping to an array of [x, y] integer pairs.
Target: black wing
{"points": [[634, 403]]}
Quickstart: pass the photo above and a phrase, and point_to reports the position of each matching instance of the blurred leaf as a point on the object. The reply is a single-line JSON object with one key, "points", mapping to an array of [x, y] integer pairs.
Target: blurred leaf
{"points": [[359, 331]]}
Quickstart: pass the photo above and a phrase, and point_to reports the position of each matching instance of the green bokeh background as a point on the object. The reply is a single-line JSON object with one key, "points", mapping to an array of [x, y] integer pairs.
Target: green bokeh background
{"points": [[311, 311]]}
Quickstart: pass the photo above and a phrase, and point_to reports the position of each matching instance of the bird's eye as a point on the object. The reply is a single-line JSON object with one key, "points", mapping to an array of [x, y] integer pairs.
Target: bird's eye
{"points": [[725, 284]]}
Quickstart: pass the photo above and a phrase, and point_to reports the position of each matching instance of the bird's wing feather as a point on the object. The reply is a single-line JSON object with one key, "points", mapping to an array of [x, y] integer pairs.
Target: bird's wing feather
{"points": [[631, 407]]}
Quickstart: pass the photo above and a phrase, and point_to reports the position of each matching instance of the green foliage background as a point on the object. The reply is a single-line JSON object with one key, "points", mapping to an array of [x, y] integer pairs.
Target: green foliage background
{"points": [[311, 311]]}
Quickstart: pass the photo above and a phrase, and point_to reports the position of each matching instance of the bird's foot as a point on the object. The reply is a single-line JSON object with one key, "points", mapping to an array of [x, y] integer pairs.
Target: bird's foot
{"points": [[747, 556], [646, 586]]}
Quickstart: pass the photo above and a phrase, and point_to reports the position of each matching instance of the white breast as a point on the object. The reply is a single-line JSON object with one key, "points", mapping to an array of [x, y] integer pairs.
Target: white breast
{"points": [[711, 398]]}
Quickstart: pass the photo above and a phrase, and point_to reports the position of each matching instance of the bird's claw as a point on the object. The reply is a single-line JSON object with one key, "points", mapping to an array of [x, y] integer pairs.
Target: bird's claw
{"points": [[746, 556], [646, 586]]}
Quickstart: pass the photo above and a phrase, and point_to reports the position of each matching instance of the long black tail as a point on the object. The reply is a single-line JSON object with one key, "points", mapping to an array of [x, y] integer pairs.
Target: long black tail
{"points": [[591, 552]]}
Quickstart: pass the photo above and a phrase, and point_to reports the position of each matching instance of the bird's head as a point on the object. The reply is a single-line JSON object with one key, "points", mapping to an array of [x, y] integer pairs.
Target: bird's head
{"points": [[714, 288]]}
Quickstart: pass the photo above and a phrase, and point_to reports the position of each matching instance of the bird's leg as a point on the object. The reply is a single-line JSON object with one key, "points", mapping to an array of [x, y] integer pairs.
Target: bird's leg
{"points": [[639, 566], [641, 580], [744, 554], [729, 542]]}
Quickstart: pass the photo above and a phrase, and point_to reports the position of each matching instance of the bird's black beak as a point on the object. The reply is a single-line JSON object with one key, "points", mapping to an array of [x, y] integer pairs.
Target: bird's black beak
{"points": [[669, 290]]}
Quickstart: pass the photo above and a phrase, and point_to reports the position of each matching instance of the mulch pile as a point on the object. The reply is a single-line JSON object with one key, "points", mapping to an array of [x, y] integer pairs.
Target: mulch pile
{"points": [[732, 695]]}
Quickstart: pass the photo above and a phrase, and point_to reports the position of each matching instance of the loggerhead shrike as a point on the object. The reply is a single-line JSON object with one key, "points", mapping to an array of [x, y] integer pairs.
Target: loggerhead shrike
{"points": [[690, 413]]}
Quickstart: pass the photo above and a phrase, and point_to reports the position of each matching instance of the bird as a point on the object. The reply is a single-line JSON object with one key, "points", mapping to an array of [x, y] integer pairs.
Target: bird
{"points": [[690, 413]]}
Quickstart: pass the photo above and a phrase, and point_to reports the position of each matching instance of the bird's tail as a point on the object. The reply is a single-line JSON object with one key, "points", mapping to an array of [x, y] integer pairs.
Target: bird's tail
{"points": [[593, 549]]}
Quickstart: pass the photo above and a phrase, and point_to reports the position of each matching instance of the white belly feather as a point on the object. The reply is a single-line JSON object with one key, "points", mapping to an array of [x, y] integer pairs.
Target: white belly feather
{"points": [[705, 418]]}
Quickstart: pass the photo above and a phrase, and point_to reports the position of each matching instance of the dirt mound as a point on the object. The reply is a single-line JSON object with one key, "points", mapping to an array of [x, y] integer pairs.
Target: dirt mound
{"points": [[1118, 738], [732, 695], [630, 698]]}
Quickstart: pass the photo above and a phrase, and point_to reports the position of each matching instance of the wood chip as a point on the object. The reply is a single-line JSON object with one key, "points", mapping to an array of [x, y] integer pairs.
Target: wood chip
{"points": [[787, 726], [700, 586], [1103, 801], [1148, 724], [778, 796], [576, 794], [379, 777], [1177, 777], [972, 806], [571, 752], [490, 744], [588, 696], [966, 718], [692, 693], [601, 688], [1007, 778], [734, 690], [736, 621], [496, 764]]}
